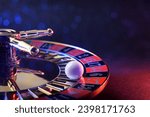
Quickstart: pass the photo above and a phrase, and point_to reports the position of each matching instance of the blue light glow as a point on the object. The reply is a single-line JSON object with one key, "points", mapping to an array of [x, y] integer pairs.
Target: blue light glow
{"points": [[6, 22], [18, 19]]}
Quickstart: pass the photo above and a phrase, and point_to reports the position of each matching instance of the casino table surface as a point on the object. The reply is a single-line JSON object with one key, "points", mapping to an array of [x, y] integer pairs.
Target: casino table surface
{"points": [[129, 80]]}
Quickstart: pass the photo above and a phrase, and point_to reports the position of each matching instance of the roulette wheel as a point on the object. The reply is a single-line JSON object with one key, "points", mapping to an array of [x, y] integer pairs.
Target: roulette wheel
{"points": [[37, 69]]}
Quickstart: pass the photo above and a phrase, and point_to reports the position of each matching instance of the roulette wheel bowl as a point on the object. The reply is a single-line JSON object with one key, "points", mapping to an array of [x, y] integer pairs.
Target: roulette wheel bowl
{"points": [[46, 75]]}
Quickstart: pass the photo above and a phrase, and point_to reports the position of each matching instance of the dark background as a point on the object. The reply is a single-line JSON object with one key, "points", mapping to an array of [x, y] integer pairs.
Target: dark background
{"points": [[117, 31]]}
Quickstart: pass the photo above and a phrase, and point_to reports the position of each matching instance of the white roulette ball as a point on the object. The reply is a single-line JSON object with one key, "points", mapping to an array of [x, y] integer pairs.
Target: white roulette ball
{"points": [[74, 70]]}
